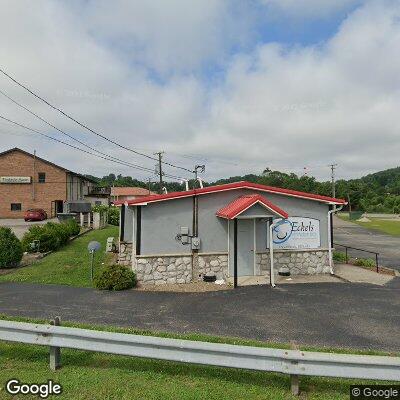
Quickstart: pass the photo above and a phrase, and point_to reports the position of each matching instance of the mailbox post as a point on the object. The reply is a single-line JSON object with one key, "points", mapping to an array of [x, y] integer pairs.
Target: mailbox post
{"points": [[92, 248]]}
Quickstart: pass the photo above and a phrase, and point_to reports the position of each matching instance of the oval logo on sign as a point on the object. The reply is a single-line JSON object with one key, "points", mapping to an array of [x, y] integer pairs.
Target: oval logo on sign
{"points": [[282, 231]]}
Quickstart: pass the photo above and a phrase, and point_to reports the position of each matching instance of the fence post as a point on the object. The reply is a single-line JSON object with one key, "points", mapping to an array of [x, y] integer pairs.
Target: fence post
{"points": [[55, 352], [294, 379], [376, 261], [347, 258]]}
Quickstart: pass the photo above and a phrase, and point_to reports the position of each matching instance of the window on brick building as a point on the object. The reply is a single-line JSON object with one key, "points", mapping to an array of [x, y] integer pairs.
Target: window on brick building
{"points": [[16, 206], [41, 177]]}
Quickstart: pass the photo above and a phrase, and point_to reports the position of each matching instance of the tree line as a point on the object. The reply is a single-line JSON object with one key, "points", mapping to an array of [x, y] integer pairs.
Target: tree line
{"points": [[377, 192]]}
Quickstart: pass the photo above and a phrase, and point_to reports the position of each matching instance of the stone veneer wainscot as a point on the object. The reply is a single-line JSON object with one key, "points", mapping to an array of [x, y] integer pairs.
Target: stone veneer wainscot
{"points": [[299, 262]]}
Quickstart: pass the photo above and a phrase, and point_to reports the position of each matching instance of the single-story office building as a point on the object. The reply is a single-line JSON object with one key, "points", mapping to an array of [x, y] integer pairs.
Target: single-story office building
{"points": [[231, 230]]}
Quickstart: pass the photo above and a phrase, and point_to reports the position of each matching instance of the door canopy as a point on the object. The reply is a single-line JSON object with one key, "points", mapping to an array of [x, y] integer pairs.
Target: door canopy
{"points": [[243, 203]]}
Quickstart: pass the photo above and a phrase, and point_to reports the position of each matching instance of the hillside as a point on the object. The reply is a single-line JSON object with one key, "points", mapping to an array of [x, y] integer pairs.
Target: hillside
{"points": [[377, 192]]}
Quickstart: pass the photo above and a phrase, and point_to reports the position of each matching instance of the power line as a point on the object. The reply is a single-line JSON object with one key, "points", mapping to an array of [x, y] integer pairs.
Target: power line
{"points": [[127, 164], [60, 130], [86, 127]]}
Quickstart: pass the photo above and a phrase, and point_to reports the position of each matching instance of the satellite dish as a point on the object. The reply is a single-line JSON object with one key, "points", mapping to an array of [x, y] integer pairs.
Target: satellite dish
{"points": [[94, 246]]}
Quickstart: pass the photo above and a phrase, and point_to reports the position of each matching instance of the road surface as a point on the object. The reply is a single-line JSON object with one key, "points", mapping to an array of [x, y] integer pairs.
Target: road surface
{"points": [[351, 234], [346, 315]]}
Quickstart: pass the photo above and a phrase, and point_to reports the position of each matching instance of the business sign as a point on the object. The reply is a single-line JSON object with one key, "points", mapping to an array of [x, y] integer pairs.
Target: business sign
{"points": [[15, 179], [297, 233]]}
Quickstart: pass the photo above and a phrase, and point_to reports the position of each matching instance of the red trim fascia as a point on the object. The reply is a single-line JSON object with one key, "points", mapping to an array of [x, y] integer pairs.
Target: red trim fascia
{"points": [[232, 186]]}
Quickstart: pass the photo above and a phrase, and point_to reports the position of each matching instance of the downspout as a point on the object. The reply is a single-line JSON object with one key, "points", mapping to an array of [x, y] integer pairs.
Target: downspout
{"points": [[330, 237], [271, 252]]}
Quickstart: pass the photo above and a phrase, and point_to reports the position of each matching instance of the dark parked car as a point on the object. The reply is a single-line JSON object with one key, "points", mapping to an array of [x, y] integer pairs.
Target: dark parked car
{"points": [[36, 214]]}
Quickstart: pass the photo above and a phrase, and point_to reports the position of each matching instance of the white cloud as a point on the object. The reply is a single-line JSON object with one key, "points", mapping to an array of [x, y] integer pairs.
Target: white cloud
{"points": [[170, 37], [279, 106], [310, 8]]}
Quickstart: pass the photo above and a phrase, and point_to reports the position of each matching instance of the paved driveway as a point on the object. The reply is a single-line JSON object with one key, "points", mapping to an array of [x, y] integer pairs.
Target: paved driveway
{"points": [[19, 226], [318, 314], [354, 235]]}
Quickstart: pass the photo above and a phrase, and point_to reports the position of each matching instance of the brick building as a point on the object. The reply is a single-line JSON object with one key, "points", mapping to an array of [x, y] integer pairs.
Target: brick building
{"points": [[28, 181]]}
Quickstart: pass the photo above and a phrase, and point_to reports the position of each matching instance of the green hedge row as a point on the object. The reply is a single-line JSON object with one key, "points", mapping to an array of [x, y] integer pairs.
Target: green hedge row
{"points": [[10, 248], [50, 236]]}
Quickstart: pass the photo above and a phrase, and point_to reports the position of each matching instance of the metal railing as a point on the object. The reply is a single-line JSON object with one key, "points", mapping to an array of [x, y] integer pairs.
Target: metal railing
{"points": [[365, 251], [292, 362]]}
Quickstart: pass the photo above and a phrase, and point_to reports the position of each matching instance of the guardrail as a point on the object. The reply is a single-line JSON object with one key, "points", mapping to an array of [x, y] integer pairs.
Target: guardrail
{"points": [[292, 362], [365, 251]]}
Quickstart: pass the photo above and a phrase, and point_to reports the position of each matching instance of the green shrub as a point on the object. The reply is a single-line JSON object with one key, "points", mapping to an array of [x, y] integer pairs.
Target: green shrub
{"points": [[115, 277], [339, 256], [113, 216], [10, 248], [72, 226], [100, 208], [50, 236], [365, 262]]}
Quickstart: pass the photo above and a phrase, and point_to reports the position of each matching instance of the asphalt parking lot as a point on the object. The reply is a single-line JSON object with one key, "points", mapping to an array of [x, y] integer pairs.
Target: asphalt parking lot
{"points": [[350, 234], [356, 315], [19, 226]]}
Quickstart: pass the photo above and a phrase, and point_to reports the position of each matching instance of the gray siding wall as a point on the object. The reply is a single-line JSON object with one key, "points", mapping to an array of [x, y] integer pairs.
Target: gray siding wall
{"points": [[161, 222], [129, 222]]}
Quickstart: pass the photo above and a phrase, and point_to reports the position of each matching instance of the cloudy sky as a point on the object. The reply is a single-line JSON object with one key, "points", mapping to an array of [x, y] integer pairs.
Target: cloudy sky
{"points": [[237, 85]]}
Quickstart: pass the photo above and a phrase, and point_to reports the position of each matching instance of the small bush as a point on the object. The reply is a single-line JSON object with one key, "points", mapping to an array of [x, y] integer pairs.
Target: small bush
{"points": [[72, 226], [10, 249], [115, 277], [113, 216], [50, 236], [339, 256], [365, 262], [100, 208]]}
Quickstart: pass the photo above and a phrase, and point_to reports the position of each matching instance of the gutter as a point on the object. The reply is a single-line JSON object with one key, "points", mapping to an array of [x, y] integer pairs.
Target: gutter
{"points": [[330, 212]]}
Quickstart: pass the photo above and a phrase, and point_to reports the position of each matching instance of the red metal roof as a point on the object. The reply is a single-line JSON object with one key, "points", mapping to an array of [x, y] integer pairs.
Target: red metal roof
{"points": [[242, 203], [232, 186]]}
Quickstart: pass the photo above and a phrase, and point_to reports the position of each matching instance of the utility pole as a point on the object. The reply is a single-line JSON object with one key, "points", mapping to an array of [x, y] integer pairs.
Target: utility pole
{"points": [[197, 169], [333, 167], [160, 154]]}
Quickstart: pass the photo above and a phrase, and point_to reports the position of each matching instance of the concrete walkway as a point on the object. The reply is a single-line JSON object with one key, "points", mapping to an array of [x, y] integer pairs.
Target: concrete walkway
{"points": [[279, 280], [354, 274]]}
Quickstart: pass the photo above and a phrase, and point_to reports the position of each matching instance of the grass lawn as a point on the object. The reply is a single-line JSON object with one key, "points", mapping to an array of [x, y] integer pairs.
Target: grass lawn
{"points": [[87, 375], [68, 266], [383, 225]]}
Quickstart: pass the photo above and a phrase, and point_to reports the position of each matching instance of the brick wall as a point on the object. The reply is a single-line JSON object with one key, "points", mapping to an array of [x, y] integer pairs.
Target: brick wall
{"points": [[20, 164]]}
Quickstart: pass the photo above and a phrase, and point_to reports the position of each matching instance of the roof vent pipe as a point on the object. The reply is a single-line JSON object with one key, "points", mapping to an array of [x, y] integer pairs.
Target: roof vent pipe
{"points": [[186, 182]]}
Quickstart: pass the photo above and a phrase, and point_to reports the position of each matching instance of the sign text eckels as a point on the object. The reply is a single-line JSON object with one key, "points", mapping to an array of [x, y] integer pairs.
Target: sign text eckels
{"points": [[297, 233]]}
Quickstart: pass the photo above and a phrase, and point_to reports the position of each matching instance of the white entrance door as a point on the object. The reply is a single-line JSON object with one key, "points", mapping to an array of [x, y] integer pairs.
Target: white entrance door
{"points": [[245, 247]]}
